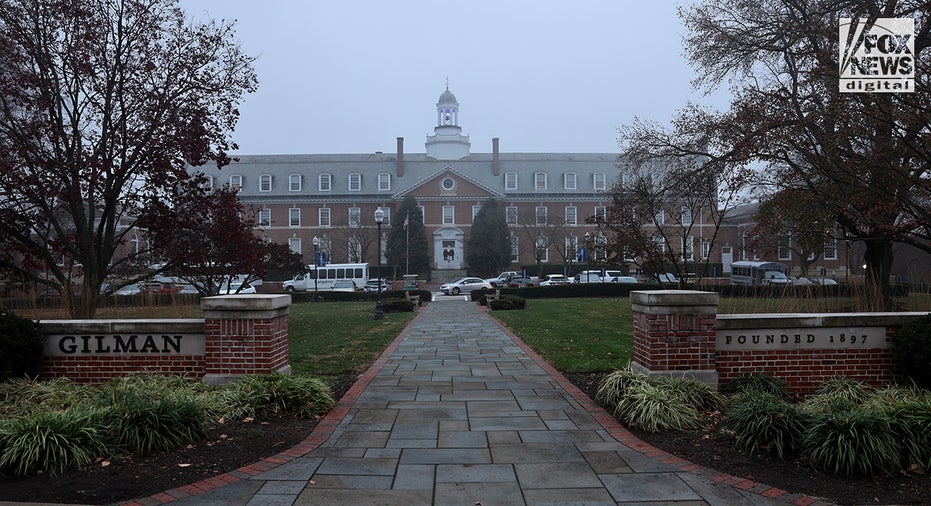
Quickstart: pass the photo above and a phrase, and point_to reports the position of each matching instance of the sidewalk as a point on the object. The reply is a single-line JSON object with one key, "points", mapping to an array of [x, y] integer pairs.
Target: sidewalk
{"points": [[459, 411]]}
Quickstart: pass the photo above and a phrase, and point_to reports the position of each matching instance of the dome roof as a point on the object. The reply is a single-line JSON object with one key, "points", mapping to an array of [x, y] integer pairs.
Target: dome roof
{"points": [[448, 98]]}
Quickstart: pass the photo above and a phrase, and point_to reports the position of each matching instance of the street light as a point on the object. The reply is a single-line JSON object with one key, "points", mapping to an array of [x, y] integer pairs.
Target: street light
{"points": [[588, 257], [379, 218], [316, 242]]}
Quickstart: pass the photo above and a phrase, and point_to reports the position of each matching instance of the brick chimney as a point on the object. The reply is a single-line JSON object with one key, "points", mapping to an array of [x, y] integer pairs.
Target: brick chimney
{"points": [[495, 165], [400, 156]]}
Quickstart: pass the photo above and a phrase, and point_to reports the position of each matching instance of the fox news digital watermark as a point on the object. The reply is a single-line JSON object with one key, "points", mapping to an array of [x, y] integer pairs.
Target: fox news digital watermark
{"points": [[877, 56]]}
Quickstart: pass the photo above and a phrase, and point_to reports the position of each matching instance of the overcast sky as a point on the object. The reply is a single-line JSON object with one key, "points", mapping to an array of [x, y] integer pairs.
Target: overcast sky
{"points": [[350, 76]]}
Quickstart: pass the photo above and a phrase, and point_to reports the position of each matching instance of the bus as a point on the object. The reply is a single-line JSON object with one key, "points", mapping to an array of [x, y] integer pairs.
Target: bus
{"points": [[759, 273], [323, 278]]}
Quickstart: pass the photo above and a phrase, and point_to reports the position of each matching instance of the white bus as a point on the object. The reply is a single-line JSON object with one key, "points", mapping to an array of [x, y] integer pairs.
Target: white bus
{"points": [[759, 273], [323, 278]]}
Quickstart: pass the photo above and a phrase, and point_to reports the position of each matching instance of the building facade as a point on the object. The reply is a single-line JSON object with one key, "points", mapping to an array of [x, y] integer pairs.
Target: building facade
{"points": [[333, 197]]}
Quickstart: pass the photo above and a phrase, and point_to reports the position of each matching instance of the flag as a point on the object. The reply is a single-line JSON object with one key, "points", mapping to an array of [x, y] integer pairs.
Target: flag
{"points": [[406, 222]]}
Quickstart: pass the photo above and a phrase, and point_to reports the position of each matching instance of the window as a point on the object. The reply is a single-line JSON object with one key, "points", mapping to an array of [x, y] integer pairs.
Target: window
{"points": [[539, 180], [448, 183], [572, 215], [510, 215], [449, 215], [265, 217], [354, 249], [705, 249], [208, 183], [686, 215], [423, 213], [387, 211], [660, 217], [235, 182], [601, 214], [510, 181], [294, 217], [355, 217], [568, 181], [599, 181], [540, 215], [323, 216], [384, 181], [355, 182], [601, 248], [660, 243], [688, 248], [784, 249], [830, 249], [515, 249], [475, 210], [294, 243], [572, 246], [265, 183], [325, 182], [541, 249], [294, 182]]}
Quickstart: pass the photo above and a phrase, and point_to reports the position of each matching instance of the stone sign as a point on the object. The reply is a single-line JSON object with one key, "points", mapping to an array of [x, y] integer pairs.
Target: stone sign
{"points": [[801, 338]]}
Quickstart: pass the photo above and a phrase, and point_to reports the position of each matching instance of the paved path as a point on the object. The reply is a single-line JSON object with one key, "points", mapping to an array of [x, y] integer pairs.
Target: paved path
{"points": [[458, 411]]}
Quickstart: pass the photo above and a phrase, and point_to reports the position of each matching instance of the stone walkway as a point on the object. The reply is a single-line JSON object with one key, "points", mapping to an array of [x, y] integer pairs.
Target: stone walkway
{"points": [[459, 411]]}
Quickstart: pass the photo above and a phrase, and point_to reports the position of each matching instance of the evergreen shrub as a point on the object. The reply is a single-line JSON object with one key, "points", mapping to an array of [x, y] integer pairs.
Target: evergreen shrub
{"points": [[911, 346], [21, 342]]}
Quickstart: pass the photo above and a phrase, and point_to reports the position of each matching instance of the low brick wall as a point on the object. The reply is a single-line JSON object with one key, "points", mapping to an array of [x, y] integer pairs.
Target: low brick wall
{"points": [[677, 332], [240, 334]]}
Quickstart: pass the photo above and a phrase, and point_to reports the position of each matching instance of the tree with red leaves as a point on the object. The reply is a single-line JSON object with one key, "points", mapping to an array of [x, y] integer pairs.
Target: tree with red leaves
{"points": [[103, 103]]}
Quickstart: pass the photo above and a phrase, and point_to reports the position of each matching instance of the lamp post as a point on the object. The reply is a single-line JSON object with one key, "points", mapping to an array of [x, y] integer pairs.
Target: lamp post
{"points": [[316, 242], [588, 257], [379, 218]]}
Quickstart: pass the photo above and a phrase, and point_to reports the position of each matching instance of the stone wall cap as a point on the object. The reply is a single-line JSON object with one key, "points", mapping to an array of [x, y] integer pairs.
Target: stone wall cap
{"points": [[783, 320], [251, 302], [674, 297]]}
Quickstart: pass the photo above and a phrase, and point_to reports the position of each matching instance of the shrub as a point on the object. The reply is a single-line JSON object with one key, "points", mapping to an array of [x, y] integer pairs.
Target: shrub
{"points": [[397, 305], [653, 408], [50, 441], [614, 387], [853, 442], [911, 346], [759, 383], [697, 394], [24, 397], [277, 394], [506, 302], [766, 422], [847, 388], [909, 411], [21, 342], [142, 426]]}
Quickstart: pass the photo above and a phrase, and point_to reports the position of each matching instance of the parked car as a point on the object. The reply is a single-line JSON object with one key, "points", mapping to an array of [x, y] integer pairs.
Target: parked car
{"points": [[823, 281], [626, 279], [130, 289], [464, 285], [344, 285], [158, 288], [501, 279], [668, 278], [587, 277], [372, 285], [236, 288], [554, 279], [522, 282]]}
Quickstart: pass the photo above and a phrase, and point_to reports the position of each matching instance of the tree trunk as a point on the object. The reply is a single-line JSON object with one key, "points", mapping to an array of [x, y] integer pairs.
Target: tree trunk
{"points": [[878, 260]]}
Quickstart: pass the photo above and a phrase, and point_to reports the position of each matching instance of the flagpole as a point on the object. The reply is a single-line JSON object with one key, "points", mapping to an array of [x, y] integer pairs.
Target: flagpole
{"points": [[407, 256]]}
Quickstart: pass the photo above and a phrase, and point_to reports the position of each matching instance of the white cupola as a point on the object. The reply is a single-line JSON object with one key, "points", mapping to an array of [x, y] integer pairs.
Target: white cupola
{"points": [[447, 142]]}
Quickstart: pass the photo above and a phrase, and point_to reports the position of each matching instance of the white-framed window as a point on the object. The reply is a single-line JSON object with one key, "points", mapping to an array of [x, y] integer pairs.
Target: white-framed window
{"points": [[355, 216], [660, 242], [601, 247], [423, 213], [354, 249], [572, 246], [355, 182], [510, 215], [686, 215], [325, 182], [208, 183], [539, 180], [294, 244], [265, 183], [387, 211], [449, 215], [515, 249], [688, 248], [540, 214], [265, 217], [784, 248], [510, 181], [660, 218], [601, 214], [294, 182], [235, 182], [572, 215], [384, 181], [541, 248], [830, 249], [599, 181], [323, 217], [475, 210], [705, 249], [326, 246], [569, 181], [294, 217]]}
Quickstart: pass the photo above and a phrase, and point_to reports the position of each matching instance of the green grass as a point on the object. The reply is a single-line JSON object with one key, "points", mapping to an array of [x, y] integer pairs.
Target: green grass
{"points": [[330, 339], [576, 335]]}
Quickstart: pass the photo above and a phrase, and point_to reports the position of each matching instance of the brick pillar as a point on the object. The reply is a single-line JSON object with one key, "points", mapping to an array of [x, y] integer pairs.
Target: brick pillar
{"points": [[245, 334], [674, 333]]}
